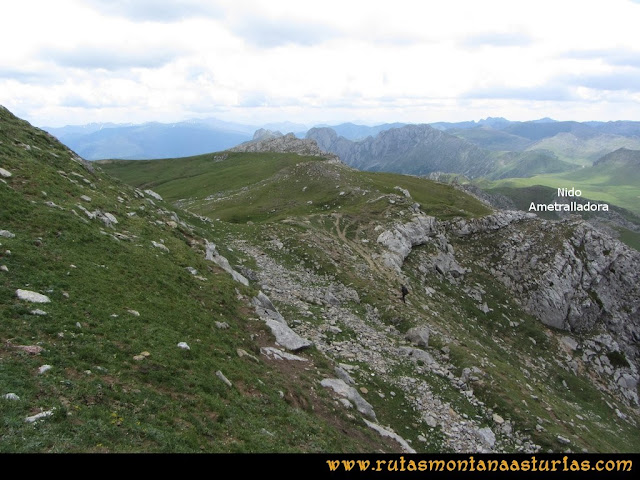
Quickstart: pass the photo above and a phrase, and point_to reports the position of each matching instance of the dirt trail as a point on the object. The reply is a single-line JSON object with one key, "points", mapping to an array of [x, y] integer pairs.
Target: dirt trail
{"points": [[342, 234]]}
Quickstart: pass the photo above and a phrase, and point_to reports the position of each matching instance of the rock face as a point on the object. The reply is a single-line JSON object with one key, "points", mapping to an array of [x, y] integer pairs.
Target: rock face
{"points": [[414, 149], [287, 337], [385, 432], [568, 275], [268, 141], [590, 279]]}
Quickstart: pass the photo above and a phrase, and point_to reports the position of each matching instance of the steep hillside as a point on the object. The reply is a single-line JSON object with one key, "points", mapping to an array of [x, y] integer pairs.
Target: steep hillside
{"points": [[100, 285], [518, 334], [413, 149]]}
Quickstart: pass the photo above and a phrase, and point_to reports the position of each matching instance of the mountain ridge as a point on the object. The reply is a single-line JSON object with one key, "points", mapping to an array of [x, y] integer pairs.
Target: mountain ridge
{"points": [[250, 302]]}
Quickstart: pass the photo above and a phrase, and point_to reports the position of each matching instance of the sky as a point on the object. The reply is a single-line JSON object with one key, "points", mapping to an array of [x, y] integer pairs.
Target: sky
{"points": [[72, 62]]}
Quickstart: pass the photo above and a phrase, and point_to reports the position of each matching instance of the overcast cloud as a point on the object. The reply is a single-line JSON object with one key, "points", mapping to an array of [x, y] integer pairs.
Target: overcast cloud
{"points": [[82, 61]]}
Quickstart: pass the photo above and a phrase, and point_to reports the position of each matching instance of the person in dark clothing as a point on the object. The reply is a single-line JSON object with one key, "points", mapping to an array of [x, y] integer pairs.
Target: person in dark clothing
{"points": [[405, 292]]}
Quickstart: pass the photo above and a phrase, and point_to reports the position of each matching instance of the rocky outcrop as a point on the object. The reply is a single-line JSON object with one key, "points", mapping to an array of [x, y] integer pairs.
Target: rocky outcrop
{"points": [[422, 228], [213, 255], [590, 280], [33, 297], [399, 240], [351, 394], [268, 141], [285, 336], [568, 275]]}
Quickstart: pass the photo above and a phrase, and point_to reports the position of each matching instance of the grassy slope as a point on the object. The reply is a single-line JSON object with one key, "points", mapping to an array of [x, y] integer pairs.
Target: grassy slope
{"points": [[103, 399], [261, 187]]}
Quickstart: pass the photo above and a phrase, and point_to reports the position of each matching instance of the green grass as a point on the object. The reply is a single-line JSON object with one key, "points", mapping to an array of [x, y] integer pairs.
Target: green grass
{"points": [[262, 187]]}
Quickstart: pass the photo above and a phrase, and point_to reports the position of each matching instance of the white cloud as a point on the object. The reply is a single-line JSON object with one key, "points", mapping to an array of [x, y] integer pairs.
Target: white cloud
{"points": [[77, 61]]}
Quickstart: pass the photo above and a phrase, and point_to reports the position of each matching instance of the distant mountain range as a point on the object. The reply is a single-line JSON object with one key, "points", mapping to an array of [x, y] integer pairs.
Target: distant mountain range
{"points": [[573, 142], [412, 149]]}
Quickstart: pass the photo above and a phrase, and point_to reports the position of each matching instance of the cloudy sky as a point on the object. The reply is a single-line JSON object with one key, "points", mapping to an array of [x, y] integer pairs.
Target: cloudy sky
{"points": [[81, 61]]}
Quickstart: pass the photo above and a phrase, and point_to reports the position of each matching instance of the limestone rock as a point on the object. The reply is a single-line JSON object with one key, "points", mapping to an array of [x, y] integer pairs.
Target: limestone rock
{"points": [[160, 246], [226, 381], [6, 234], [11, 396], [212, 254], [243, 353], [287, 337], [153, 194], [33, 297], [107, 218], [39, 416], [418, 336], [487, 436], [386, 432], [278, 354], [5, 173], [266, 309], [344, 375], [184, 346], [341, 388]]}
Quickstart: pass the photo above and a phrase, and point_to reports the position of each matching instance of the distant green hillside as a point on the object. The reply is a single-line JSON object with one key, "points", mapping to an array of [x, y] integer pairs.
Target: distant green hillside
{"points": [[584, 151], [614, 179], [530, 163]]}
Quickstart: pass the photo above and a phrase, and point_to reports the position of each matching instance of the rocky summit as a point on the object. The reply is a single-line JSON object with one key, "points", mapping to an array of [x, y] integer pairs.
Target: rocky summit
{"points": [[268, 141], [277, 300]]}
